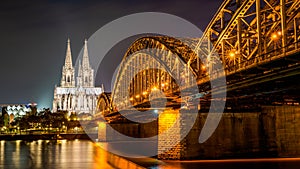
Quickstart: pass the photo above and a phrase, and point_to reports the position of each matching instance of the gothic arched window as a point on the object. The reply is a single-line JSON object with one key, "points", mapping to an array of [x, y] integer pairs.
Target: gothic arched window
{"points": [[68, 79]]}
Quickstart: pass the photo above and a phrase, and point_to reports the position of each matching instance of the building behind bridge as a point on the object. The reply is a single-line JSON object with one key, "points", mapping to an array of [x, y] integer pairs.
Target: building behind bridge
{"points": [[82, 96]]}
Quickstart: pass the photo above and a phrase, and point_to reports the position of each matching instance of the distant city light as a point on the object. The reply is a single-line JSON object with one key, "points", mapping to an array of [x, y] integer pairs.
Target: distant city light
{"points": [[17, 110]]}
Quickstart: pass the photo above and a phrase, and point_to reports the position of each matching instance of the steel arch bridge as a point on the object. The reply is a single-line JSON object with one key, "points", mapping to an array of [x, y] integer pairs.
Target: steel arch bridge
{"points": [[244, 35], [103, 104]]}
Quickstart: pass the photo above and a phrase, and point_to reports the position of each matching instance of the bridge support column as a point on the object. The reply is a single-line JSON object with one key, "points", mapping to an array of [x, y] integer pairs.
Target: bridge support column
{"points": [[295, 33], [102, 132], [167, 147], [166, 142], [283, 24], [258, 23]]}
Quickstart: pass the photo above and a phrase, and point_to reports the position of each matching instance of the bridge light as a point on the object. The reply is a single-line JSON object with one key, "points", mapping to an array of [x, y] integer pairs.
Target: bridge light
{"points": [[276, 35], [163, 85], [203, 67], [154, 88], [145, 93], [279, 33], [131, 99], [137, 96], [231, 54]]}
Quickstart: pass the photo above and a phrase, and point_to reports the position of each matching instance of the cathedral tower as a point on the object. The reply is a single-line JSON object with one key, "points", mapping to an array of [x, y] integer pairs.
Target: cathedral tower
{"points": [[67, 78], [81, 98], [85, 72]]}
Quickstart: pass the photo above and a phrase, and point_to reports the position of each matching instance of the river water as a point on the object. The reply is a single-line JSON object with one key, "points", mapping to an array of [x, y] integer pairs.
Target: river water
{"points": [[81, 154], [43, 154]]}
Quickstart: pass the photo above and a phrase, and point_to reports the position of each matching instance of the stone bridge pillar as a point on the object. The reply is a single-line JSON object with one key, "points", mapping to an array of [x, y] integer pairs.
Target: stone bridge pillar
{"points": [[102, 131], [167, 147]]}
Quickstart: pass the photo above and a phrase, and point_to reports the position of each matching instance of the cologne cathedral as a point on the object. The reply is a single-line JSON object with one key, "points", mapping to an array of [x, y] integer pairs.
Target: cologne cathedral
{"points": [[80, 97]]}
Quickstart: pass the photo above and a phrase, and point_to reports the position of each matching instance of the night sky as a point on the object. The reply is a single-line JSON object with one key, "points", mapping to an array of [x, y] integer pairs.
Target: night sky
{"points": [[34, 34]]}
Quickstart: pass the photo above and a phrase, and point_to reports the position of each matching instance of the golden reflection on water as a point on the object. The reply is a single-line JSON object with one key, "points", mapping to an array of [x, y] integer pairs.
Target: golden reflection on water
{"points": [[77, 154], [52, 154], [1, 151], [100, 158]]}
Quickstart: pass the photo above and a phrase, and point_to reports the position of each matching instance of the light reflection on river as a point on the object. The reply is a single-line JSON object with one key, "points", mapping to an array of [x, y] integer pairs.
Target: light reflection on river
{"points": [[51, 154], [45, 154]]}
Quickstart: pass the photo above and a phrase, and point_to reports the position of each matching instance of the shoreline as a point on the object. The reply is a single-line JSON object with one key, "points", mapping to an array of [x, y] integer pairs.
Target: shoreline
{"points": [[52, 136]]}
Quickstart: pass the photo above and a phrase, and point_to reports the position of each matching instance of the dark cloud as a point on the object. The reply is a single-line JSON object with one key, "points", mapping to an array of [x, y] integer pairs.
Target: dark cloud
{"points": [[33, 38]]}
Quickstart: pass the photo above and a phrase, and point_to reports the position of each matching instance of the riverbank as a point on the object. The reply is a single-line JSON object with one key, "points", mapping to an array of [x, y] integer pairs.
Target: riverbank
{"points": [[67, 136]]}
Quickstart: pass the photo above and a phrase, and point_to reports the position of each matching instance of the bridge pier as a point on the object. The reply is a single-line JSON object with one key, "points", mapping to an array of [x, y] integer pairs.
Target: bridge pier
{"points": [[282, 124], [102, 132], [271, 132], [237, 134], [166, 148]]}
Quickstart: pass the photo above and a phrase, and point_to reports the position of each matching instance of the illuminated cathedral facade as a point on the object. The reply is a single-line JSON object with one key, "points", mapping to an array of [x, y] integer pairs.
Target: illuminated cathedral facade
{"points": [[79, 97]]}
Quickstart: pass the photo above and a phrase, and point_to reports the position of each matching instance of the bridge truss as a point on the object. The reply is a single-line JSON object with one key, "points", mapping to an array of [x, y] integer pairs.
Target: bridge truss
{"points": [[245, 33], [242, 35]]}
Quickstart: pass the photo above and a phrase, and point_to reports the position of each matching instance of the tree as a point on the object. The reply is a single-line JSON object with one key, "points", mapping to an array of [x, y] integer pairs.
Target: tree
{"points": [[23, 123], [6, 120]]}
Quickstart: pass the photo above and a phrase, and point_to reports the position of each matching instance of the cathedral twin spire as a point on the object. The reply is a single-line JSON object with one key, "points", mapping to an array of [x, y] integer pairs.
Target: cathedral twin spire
{"points": [[85, 76], [79, 97], [85, 59], [68, 60], [67, 78]]}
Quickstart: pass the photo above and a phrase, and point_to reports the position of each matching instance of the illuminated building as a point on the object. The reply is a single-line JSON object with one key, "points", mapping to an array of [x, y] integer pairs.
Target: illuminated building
{"points": [[82, 96]]}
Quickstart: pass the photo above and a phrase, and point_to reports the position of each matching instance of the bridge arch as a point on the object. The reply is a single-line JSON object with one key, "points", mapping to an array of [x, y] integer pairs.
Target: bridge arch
{"points": [[159, 58], [103, 104]]}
